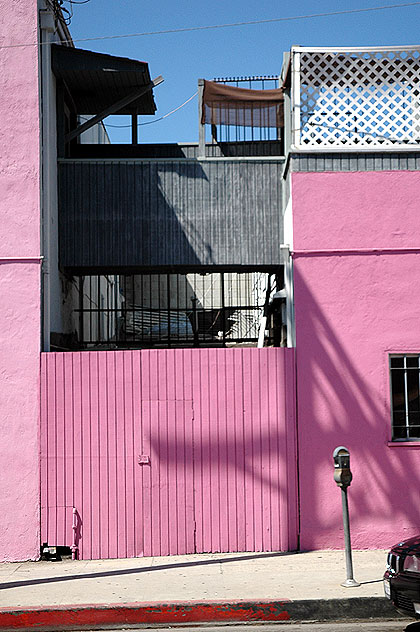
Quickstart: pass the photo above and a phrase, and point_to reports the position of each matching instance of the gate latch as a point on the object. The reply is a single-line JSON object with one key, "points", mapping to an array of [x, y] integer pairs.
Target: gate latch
{"points": [[144, 459]]}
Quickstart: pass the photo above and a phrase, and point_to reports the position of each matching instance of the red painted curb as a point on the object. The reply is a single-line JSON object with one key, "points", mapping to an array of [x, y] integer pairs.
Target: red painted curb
{"points": [[72, 617]]}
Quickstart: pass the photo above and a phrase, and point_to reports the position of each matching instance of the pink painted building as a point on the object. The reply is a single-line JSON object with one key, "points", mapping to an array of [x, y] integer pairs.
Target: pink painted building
{"points": [[355, 309], [354, 236], [190, 330], [20, 282]]}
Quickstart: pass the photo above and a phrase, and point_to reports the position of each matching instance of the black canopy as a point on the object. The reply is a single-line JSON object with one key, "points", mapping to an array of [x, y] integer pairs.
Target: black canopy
{"points": [[95, 81]]}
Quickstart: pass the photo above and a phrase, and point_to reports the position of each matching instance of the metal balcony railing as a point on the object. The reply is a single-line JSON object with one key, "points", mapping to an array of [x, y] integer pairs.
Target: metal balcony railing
{"points": [[241, 133], [175, 310]]}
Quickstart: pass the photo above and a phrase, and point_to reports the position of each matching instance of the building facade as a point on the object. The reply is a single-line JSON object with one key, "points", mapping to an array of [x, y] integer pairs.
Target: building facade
{"points": [[20, 279], [192, 329], [354, 195]]}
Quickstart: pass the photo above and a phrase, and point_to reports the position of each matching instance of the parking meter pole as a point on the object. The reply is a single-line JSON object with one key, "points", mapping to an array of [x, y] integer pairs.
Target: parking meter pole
{"points": [[350, 581], [343, 478]]}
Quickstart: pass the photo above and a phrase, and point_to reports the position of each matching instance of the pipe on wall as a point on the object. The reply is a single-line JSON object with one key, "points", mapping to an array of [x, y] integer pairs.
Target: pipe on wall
{"points": [[47, 29]]}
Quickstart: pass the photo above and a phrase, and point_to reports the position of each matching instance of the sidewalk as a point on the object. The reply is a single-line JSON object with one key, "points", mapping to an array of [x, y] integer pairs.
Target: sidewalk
{"points": [[180, 589]]}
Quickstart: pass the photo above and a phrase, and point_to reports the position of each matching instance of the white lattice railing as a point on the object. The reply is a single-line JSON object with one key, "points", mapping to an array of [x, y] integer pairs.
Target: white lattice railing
{"points": [[365, 98]]}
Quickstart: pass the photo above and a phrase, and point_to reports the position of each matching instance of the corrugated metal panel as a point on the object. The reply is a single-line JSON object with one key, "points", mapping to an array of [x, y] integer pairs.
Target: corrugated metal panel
{"points": [[119, 214], [218, 427], [350, 161]]}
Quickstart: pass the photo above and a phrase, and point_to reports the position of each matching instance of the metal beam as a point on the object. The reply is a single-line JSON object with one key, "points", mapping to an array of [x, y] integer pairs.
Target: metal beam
{"points": [[112, 109]]}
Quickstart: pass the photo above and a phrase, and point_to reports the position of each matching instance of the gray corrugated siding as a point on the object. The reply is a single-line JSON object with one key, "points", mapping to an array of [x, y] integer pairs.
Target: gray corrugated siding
{"points": [[169, 213], [387, 161]]}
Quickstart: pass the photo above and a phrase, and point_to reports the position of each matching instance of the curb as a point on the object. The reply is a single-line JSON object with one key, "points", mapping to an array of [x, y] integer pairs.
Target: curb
{"points": [[96, 616]]}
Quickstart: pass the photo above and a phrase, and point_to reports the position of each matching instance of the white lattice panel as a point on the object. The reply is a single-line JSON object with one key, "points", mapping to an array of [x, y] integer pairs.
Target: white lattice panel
{"points": [[359, 98]]}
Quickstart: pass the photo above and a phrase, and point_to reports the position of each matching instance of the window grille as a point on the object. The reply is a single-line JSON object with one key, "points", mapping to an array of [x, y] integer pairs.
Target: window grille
{"points": [[405, 399], [367, 98], [177, 310]]}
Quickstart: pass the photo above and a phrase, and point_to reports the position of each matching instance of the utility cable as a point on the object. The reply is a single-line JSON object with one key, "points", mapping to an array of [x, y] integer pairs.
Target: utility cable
{"points": [[228, 25], [158, 119]]}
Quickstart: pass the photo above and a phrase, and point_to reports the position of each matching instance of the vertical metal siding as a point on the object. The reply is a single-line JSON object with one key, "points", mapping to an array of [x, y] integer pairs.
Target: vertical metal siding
{"points": [[221, 212], [351, 161], [218, 426]]}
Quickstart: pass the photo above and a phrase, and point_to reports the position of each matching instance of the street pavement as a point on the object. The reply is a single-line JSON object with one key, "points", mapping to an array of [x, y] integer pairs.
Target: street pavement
{"points": [[192, 589]]}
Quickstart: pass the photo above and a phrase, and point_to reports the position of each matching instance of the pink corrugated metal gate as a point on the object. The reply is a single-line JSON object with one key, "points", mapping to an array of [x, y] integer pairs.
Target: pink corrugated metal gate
{"points": [[169, 451]]}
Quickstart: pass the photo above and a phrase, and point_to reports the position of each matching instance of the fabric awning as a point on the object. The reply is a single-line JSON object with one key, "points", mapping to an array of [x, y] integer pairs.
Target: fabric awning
{"points": [[228, 105], [95, 80]]}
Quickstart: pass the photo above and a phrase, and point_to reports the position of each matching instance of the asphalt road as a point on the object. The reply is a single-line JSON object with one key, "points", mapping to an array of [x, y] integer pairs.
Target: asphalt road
{"points": [[357, 626]]}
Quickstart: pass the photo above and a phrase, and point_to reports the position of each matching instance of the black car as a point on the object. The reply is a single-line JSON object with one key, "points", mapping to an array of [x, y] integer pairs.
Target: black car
{"points": [[402, 577]]}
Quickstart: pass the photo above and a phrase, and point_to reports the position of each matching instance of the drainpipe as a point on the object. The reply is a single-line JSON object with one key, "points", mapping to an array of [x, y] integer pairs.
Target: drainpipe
{"points": [[74, 547], [261, 332], [263, 320], [288, 284], [47, 27]]}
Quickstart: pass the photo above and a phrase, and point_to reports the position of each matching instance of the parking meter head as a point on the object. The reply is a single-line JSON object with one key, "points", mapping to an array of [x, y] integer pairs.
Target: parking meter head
{"points": [[342, 473]]}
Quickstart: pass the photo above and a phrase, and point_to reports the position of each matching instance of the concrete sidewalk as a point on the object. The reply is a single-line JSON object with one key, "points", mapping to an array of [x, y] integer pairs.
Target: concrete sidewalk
{"points": [[235, 586]]}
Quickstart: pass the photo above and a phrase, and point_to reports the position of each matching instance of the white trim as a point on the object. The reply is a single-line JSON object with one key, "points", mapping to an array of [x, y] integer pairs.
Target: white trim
{"points": [[295, 97], [351, 49]]}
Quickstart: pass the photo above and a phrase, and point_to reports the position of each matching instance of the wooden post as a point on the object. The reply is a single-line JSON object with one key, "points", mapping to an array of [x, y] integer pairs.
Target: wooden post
{"points": [[201, 126], [113, 109], [214, 134], [134, 134]]}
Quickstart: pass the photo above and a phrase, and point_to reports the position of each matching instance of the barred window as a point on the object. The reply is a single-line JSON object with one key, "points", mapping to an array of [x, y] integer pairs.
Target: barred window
{"points": [[405, 400]]}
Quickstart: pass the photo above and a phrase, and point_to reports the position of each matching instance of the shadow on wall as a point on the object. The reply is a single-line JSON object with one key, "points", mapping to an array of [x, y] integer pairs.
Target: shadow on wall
{"points": [[116, 215], [342, 396], [233, 453], [185, 190]]}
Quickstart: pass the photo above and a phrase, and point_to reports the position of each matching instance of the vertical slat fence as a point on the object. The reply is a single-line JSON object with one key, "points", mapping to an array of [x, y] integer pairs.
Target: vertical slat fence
{"points": [[165, 452]]}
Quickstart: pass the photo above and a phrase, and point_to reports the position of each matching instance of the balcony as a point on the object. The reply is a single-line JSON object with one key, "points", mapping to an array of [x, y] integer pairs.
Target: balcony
{"points": [[168, 245], [216, 202]]}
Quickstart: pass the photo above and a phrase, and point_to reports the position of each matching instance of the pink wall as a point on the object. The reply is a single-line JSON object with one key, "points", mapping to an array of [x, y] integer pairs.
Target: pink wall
{"points": [[351, 311], [217, 430], [19, 284]]}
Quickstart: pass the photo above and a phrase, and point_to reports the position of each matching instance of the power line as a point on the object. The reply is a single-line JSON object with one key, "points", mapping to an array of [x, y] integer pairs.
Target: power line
{"points": [[155, 120], [158, 119], [229, 25]]}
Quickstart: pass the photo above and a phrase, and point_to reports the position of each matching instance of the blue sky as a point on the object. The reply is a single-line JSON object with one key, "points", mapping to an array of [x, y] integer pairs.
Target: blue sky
{"points": [[236, 51]]}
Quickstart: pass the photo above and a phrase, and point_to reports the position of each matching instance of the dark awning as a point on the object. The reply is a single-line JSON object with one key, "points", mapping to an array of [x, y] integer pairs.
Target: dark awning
{"points": [[228, 105], [95, 81]]}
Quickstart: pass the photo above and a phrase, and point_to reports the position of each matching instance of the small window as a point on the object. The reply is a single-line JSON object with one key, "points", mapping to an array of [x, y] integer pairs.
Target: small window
{"points": [[405, 400]]}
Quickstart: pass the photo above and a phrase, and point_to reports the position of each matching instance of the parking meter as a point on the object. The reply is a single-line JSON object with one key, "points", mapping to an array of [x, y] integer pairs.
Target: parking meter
{"points": [[343, 476], [342, 473]]}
